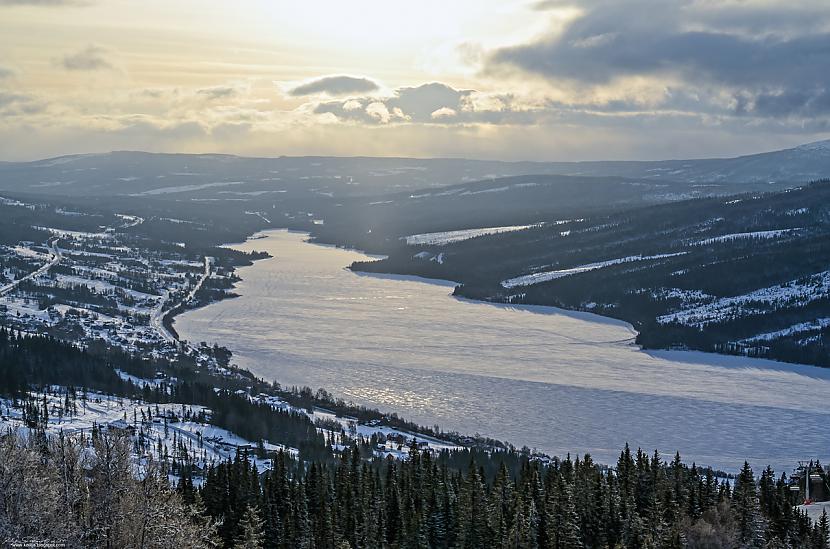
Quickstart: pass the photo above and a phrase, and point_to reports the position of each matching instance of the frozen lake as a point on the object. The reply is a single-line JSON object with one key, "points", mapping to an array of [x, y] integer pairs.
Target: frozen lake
{"points": [[542, 377]]}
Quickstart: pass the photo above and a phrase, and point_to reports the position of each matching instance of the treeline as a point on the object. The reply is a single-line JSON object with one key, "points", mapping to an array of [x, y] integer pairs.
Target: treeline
{"points": [[424, 503], [85, 491], [28, 362], [34, 361]]}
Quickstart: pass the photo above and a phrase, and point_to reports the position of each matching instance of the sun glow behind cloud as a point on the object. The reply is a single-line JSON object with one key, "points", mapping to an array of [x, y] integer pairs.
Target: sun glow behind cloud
{"points": [[393, 35]]}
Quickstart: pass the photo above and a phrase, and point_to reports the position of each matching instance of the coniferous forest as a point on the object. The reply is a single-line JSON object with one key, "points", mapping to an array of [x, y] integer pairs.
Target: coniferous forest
{"points": [[52, 490]]}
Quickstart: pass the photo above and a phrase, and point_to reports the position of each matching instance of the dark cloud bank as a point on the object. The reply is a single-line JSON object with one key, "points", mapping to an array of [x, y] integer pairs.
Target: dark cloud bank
{"points": [[773, 60]]}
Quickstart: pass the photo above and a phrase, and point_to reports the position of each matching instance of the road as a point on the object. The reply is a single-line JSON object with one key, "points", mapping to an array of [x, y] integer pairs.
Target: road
{"points": [[160, 310], [52, 244], [54, 251]]}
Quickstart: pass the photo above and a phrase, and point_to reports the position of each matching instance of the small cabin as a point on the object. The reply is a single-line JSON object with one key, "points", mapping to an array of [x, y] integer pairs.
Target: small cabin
{"points": [[120, 425]]}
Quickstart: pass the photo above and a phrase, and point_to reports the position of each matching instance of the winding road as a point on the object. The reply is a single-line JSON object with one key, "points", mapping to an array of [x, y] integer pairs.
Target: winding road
{"points": [[55, 258], [159, 312]]}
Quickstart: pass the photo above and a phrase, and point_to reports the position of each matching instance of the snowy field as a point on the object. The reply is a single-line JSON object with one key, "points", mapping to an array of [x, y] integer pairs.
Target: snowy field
{"points": [[794, 293], [547, 276], [777, 233], [207, 443], [553, 380], [448, 237], [168, 428]]}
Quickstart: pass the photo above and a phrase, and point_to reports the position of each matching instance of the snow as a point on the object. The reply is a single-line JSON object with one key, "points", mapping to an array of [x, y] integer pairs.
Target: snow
{"points": [[55, 258], [685, 296], [259, 215], [449, 237], [816, 146], [215, 443], [187, 188], [79, 235], [251, 193], [141, 382], [739, 236], [815, 510], [397, 447], [11, 202], [483, 191], [813, 325], [795, 293], [430, 257], [547, 276]]}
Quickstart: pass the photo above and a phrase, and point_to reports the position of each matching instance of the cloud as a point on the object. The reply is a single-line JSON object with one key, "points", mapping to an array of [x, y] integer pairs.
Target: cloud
{"points": [[7, 98], [218, 92], [422, 101], [335, 85], [91, 58], [410, 104], [19, 104], [44, 3], [433, 103], [767, 57], [443, 112], [6, 72]]}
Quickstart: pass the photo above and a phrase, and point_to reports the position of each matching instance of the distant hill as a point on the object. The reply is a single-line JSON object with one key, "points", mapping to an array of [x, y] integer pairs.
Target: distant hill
{"points": [[174, 176]]}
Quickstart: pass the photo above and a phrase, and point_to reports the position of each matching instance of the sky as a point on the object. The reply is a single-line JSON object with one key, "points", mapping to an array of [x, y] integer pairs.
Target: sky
{"points": [[497, 79]]}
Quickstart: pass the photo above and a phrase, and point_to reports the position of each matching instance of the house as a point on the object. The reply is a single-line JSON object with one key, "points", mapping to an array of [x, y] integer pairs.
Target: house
{"points": [[396, 438], [121, 426]]}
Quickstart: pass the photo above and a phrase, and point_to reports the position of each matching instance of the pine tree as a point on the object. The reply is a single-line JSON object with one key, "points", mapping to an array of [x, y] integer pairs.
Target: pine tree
{"points": [[472, 511], [563, 531], [747, 509], [251, 527], [821, 533], [500, 511]]}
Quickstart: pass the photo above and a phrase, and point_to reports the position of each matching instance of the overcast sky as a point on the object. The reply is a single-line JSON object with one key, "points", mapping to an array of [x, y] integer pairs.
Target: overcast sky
{"points": [[502, 79]]}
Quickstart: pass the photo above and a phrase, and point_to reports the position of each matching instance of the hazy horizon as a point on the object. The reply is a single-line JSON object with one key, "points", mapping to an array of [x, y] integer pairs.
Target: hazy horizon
{"points": [[393, 157]]}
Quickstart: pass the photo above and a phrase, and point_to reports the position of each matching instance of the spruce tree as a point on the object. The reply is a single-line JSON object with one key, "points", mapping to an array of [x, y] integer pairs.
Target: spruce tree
{"points": [[747, 509], [563, 521], [251, 535], [821, 533]]}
